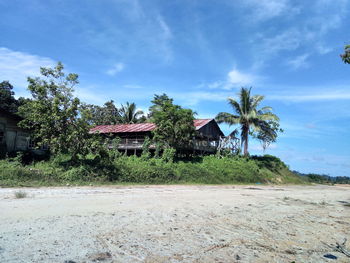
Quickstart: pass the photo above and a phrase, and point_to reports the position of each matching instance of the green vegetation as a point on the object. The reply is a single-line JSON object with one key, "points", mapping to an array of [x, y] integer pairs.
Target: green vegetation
{"points": [[324, 179], [346, 55], [58, 119], [174, 124], [20, 194], [261, 123], [119, 169]]}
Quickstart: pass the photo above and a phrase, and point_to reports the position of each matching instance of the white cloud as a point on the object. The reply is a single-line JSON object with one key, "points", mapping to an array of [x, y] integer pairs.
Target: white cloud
{"points": [[128, 86], [167, 34], [322, 50], [317, 95], [299, 62], [237, 78], [308, 30], [115, 69], [16, 66], [267, 9], [144, 28]]}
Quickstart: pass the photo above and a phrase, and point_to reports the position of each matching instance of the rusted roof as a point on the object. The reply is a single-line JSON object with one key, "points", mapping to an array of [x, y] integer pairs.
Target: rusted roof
{"points": [[199, 123], [122, 128], [139, 127]]}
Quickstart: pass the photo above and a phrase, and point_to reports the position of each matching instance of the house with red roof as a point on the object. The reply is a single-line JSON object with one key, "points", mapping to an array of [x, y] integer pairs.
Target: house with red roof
{"points": [[133, 135]]}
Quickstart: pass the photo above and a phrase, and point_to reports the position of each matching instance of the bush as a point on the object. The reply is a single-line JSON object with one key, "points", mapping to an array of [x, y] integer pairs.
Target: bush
{"points": [[96, 168], [20, 194]]}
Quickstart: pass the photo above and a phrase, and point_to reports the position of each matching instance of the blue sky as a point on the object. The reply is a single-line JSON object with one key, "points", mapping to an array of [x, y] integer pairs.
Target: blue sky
{"points": [[199, 52]]}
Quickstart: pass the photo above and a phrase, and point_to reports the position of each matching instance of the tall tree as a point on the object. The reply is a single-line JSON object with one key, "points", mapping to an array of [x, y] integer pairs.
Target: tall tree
{"points": [[53, 113], [261, 123], [7, 99], [130, 114], [175, 127], [108, 114], [158, 103]]}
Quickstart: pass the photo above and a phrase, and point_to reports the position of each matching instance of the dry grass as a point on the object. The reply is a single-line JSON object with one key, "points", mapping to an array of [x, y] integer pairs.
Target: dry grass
{"points": [[20, 194]]}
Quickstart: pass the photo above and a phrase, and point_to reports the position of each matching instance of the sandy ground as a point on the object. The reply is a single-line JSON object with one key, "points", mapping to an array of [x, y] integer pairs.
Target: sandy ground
{"points": [[174, 224]]}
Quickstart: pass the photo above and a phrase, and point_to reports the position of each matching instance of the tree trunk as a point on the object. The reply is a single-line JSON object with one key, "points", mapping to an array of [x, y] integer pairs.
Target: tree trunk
{"points": [[246, 153], [246, 137]]}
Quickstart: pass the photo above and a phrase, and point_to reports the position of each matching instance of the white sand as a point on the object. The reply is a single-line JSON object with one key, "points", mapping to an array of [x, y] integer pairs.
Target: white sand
{"points": [[174, 224]]}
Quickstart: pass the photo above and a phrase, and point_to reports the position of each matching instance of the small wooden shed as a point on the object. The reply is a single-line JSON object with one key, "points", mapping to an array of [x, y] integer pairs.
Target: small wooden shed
{"points": [[12, 137]]}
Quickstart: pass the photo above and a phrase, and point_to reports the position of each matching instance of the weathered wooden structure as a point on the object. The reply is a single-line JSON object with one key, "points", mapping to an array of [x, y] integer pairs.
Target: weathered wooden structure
{"points": [[208, 134], [12, 137]]}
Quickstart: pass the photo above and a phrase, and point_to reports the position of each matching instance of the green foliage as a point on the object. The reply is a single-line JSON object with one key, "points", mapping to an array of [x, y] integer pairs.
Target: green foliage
{"points": [[261, 123], [324, 179], [53, 114], [346, 56], [168, 155], [137, 170], [108, 114], [130, 114], [61, 170], [7, 99], [175, 127], [145, 149]]}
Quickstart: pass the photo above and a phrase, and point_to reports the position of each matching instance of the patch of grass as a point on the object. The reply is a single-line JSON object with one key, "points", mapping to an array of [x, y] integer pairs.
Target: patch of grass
{"points": [[98, 170], [20, 194]]}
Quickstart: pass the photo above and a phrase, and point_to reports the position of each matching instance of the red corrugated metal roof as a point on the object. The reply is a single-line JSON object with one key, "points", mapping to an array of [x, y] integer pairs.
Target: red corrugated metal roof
{"points": [[139, 127], [199, 123]]}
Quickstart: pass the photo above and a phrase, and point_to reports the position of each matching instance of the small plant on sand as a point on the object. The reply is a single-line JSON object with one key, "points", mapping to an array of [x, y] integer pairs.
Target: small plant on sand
{"points": [[20, 194]]}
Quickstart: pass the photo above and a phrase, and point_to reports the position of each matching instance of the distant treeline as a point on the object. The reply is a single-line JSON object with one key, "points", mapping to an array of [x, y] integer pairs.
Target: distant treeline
{"points": [[323, 178]]}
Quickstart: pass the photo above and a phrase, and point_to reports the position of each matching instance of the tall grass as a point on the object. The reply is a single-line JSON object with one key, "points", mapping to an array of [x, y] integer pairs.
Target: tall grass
{"points": [[207, 170]]}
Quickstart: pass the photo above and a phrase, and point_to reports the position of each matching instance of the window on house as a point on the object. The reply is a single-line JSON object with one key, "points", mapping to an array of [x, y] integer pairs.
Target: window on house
{"points": [[31, 144], [2, 133]]}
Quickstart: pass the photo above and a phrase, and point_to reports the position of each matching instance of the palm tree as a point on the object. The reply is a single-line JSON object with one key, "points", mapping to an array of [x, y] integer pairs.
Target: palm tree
{"points": [[129, 113], [248, 116]]}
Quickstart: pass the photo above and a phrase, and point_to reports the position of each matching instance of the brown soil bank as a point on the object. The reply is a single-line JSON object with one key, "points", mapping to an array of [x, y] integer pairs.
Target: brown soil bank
{"points": [[174, 224]]}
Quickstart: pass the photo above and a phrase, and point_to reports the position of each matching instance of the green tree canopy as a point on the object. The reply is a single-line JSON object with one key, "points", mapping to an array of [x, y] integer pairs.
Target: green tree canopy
{"points": [[7, 100], [53, 114], [346, 56], [130, 114], [175, 127], [108, 114], [261, 123]]}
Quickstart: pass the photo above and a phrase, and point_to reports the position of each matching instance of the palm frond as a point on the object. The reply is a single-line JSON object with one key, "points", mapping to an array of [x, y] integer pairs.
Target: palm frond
{"points": [[255, 101], [224, 117], [235, 105], [268, 116], [244, 95]]}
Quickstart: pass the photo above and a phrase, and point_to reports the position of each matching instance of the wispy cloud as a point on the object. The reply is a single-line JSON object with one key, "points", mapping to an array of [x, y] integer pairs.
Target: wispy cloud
{"points": [[16, 66], [308, 31], [317, 95], [299, 62], [144, 28], [115, 69], [132, 86], [268, 9], [235, 79]]}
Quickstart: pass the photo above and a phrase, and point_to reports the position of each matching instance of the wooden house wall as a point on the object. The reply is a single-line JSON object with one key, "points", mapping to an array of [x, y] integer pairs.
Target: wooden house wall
{"points": [[211, 131], [14, 137]]}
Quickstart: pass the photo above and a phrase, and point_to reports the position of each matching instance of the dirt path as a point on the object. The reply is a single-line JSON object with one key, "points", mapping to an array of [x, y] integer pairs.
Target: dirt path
{"points": [[174, 224]]}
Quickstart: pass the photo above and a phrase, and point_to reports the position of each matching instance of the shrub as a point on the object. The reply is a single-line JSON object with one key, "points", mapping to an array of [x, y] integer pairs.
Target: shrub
{"points": [[20, 194], [96, 168]]}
